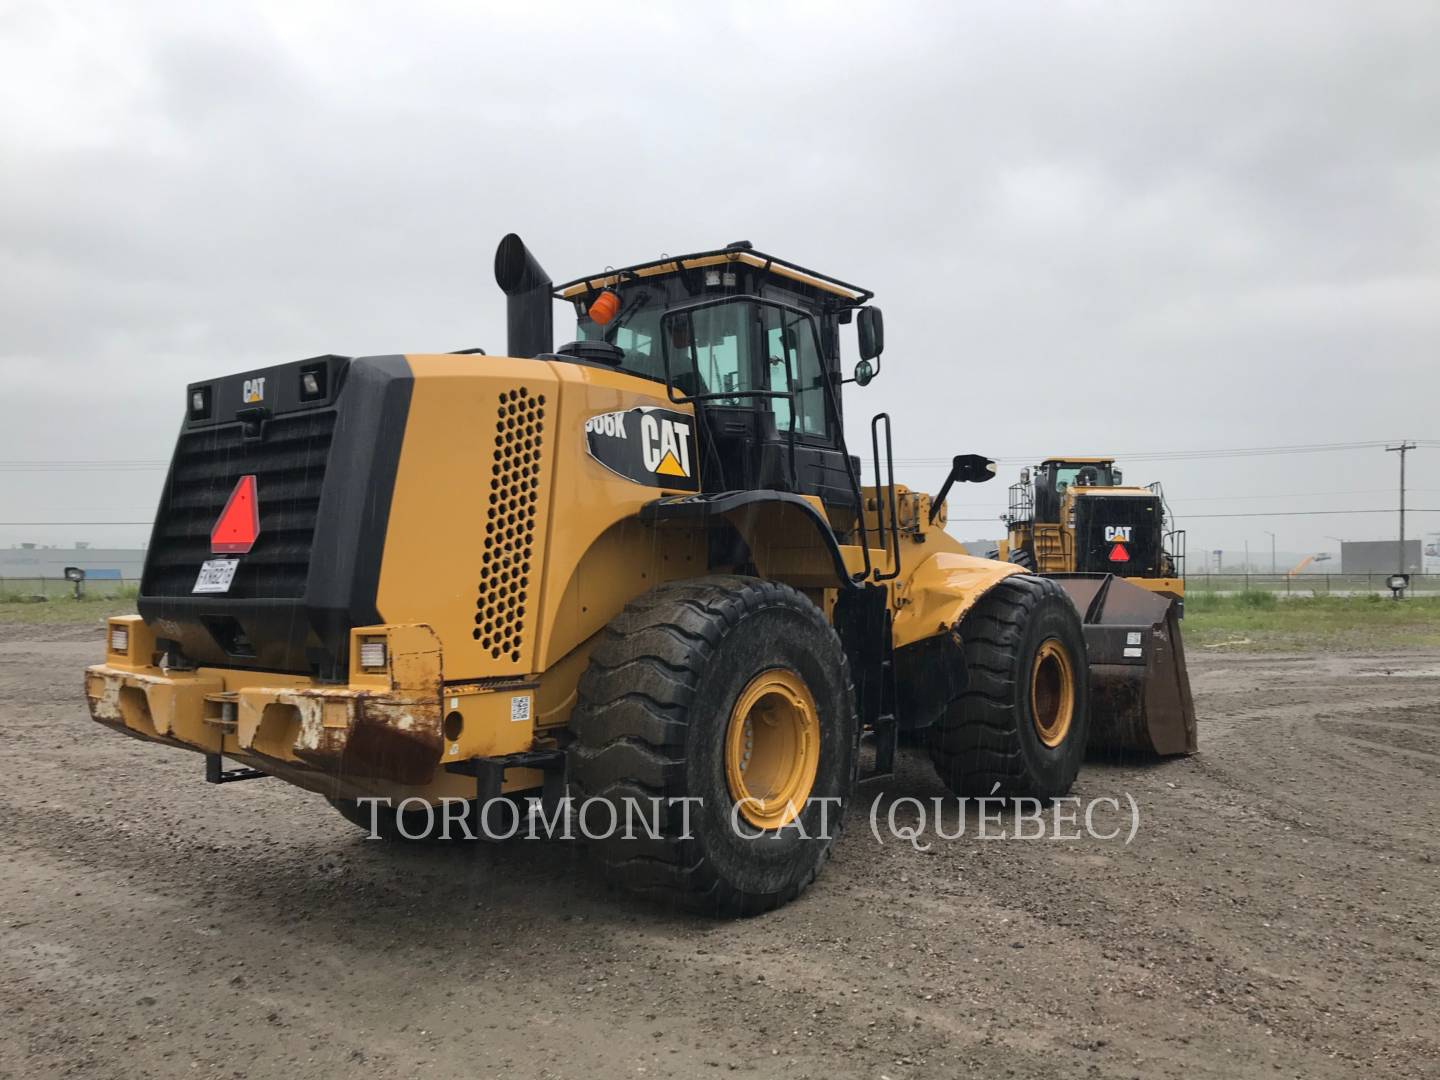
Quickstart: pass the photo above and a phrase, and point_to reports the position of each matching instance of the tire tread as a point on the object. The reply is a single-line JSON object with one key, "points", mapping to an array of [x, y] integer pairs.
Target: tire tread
{"points": [[631, 731]]}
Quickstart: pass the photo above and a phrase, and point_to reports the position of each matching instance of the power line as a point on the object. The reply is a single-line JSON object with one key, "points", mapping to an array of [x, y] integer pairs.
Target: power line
{"points": [[86, 465], [82, 466], [1185, 455], [1251, 514], [1298, 513], [1292, 495], [30, 524]]}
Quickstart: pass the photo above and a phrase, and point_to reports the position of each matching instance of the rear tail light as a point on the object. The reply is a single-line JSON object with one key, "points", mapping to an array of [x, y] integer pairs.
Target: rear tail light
{"points": [[119, 639]]}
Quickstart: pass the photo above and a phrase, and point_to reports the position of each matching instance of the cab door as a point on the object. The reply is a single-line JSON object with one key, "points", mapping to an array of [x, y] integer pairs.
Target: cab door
{"points": [[789, 352]]}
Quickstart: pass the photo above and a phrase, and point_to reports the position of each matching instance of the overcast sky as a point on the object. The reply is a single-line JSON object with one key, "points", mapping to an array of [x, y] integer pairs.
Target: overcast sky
{"points": [[1092, 228]]}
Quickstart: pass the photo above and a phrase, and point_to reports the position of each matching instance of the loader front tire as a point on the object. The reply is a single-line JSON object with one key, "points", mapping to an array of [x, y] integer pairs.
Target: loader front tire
{"points": [[717, 719], [1022, 557], [1020, 725]]}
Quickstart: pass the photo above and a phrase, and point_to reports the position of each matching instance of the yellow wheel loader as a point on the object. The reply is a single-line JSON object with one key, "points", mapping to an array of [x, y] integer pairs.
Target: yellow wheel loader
{"points": [[1074, 518], [1075, 514], [638, 570]]}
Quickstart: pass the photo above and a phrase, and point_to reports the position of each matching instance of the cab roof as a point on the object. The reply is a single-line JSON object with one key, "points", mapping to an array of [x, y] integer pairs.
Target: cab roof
{"points": [[1078, 461], [741, 251]]}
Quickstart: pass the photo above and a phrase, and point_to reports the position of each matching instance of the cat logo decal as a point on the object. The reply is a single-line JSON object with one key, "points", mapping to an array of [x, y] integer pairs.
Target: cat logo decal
{"points": [[648, 445]]}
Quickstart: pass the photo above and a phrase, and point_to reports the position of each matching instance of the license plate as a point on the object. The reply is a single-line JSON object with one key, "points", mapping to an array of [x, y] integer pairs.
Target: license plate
{"points": [[215, 575]]}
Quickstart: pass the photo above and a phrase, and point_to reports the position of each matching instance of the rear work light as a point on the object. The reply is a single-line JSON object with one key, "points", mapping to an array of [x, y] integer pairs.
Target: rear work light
{"points": [[312, 383], [119, 639], [372, 654]]}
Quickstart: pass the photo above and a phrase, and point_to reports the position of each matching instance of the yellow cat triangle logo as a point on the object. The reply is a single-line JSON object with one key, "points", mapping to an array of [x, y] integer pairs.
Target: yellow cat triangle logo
{"points": [[669, 466]]}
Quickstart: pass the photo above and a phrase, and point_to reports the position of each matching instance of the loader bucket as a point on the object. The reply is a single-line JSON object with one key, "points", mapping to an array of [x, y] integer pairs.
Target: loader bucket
{"points": [[1139, 685]]}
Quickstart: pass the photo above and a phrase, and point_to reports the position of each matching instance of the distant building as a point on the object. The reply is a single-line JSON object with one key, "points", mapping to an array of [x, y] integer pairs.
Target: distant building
{"points": [[1378, 556], [99, 564]]}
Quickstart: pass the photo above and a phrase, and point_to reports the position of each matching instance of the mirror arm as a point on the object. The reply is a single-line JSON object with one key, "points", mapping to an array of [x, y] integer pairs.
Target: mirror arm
{"points": [[939, 500], [966, 468]]}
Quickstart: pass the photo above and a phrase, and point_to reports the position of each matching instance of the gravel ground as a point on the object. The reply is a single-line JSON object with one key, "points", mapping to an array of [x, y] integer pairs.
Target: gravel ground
{"points": [[1273, 916]]}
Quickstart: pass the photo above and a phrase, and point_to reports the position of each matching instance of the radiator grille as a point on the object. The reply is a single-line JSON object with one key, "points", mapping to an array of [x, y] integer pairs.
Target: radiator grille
{"points": [[510, 525], [289, 467]]}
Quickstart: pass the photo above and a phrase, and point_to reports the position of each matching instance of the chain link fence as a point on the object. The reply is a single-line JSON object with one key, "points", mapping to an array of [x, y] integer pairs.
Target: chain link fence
{"points": [[1309, 584], [19, 590]]}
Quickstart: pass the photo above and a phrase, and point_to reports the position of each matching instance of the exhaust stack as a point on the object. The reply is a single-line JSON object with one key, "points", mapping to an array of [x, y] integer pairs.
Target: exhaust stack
{"points": [[529, 315]]}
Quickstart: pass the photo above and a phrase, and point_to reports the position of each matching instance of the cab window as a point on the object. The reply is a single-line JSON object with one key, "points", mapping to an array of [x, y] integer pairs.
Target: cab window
{"points": [[635, 332], [718, 353], [790, 353], [726, 349], [1095, 476]]}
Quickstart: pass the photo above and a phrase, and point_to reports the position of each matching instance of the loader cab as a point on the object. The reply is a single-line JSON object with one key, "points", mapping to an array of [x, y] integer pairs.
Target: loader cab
{"points": [[753, 342], [1054, 478]]}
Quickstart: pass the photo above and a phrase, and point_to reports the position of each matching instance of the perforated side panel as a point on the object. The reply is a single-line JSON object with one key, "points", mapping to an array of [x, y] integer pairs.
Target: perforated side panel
{"points": [[505, 578]]}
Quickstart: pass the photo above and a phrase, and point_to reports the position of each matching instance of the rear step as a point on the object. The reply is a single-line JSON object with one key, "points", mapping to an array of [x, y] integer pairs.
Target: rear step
{"points": [[216, 773], [221, 711]]}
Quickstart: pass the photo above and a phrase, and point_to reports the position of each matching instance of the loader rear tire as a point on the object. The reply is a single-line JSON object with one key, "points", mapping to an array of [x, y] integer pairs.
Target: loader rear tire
{"points": [[1020, 725], [1022, 557], [733, 693]]}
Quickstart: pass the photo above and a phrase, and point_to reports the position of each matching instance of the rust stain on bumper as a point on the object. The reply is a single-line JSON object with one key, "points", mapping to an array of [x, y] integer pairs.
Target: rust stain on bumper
{"points": [[322, 738]]}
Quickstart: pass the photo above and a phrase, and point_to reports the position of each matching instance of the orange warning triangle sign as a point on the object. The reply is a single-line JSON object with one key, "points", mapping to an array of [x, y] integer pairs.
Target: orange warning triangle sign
{"points": [[1119, 554], [239, 523], [669, 466]]}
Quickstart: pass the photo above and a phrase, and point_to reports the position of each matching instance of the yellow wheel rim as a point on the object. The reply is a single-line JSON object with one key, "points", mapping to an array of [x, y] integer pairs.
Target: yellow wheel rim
{"points": [[1052, 693], [772, 748]]}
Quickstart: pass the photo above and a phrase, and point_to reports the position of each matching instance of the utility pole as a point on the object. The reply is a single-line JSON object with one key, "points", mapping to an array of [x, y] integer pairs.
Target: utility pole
{"points": [[1272, 550], [1402, 449]]}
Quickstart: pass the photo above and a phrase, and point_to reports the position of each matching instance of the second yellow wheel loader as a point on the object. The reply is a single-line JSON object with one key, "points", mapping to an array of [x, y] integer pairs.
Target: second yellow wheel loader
{"points": [[1077, 514], [641, 568]]}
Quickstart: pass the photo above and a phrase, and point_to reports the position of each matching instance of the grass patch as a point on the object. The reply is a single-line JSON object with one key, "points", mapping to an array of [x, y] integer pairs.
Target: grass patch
{"points": [[21, 608], [1263, 620]]}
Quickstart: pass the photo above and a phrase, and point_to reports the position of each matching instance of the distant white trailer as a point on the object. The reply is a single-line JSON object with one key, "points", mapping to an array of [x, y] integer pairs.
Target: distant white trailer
{"points": [[1379, 557]]}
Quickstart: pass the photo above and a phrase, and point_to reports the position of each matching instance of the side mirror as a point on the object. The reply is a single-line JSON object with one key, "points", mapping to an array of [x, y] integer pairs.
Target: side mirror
{"points": [[964, 469], [1025, 475], [972, 469], [864, 372], [871, 329]]}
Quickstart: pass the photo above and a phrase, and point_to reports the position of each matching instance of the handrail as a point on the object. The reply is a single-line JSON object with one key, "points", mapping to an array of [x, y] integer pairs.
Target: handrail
{"points": [[880, 491]]}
